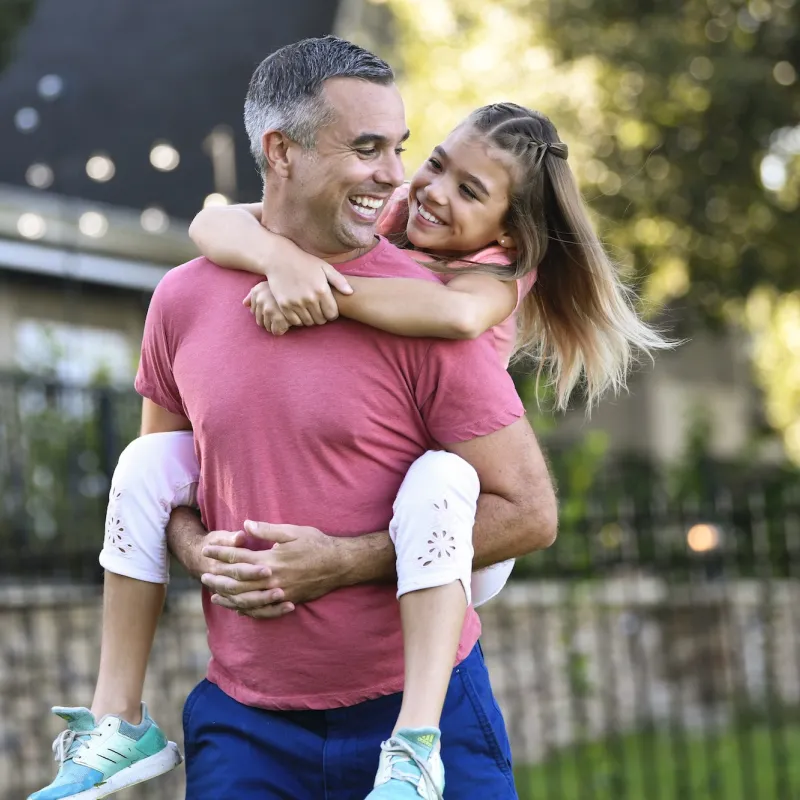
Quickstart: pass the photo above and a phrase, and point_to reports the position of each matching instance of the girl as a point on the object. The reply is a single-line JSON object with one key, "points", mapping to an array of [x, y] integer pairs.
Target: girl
{"points": [[495, 211]]}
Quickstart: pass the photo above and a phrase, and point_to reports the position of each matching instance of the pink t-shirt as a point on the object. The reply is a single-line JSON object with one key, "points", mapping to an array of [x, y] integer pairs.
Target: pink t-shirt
{"points": [[317, 428], [394, 219]]}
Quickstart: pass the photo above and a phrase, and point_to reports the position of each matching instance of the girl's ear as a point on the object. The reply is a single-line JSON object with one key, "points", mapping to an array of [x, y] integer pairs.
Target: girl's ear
{"points": [[506, 239]]}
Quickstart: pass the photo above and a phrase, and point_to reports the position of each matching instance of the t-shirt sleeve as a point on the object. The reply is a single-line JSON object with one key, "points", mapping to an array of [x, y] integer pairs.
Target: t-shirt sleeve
{"points": [[394, 218], [464, 392], [155, 379], [499, 255]]}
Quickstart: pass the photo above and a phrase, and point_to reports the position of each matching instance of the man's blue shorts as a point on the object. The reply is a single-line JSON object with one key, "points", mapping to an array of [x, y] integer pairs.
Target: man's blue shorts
{"points": [[235, 752]]}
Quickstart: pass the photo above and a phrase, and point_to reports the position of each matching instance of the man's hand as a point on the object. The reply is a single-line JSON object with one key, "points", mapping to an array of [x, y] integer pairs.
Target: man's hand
{"points": [[302, 565], [197, 564], [302, 293]]}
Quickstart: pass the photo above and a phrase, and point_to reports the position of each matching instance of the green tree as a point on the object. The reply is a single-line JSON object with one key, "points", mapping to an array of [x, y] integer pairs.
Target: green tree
{"points": [[683, 122]]}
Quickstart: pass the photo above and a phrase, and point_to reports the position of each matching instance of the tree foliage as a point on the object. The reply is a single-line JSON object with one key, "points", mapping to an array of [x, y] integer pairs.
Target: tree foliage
{"points": [[683, 121]]}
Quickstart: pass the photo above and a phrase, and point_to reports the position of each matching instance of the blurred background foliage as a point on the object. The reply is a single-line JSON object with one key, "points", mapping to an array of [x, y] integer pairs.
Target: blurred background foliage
{"points": [[683, 122]]}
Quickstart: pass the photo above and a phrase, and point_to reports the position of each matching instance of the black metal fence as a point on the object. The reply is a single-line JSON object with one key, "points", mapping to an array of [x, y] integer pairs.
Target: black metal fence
{"points": [[653, 652]]}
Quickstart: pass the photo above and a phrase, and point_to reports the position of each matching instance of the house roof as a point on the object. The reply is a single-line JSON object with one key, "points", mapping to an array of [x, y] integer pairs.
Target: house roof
{"points": [[131, 74]]}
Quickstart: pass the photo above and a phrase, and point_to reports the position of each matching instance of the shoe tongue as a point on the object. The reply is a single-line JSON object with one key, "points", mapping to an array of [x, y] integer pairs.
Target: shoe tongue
{"points": [[423, 740], [80, 720]]}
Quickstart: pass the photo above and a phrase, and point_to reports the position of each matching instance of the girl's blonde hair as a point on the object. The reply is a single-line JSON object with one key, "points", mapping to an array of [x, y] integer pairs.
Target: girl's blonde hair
{"points": [[578, 322]]}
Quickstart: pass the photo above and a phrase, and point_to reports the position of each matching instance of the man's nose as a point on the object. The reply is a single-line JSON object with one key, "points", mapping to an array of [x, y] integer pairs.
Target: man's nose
{"points": [[390, 171]]}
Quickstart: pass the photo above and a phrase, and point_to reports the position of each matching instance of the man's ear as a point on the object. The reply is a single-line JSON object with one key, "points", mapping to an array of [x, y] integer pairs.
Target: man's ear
{"points": [[277, 147]]}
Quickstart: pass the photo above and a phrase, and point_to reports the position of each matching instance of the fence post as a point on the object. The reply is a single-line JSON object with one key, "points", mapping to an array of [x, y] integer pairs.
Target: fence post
{"points": [[106, 418]]}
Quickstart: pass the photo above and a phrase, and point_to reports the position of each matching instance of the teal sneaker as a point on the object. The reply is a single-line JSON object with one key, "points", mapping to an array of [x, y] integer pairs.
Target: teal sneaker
{"points": [[97, 759], [410, 767]]}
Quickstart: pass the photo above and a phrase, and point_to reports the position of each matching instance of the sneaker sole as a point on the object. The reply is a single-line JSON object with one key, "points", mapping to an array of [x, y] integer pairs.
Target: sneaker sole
{"points": [[144, 770]]}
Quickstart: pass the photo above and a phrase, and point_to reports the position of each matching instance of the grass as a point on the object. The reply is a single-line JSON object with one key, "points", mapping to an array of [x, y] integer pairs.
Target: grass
{"points": [[748, 763]]}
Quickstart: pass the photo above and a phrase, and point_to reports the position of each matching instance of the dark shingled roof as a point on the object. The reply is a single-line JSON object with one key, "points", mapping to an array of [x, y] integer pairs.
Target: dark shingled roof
{"points": [[135, 72]]}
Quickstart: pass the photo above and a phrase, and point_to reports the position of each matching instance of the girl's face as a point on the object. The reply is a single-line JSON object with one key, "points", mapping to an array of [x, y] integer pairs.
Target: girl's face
{"points": [[459, 197]]}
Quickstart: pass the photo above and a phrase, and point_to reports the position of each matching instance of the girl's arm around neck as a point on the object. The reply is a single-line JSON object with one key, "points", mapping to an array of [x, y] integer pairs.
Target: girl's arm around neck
{"points": [[234, 238], [465, 308]]}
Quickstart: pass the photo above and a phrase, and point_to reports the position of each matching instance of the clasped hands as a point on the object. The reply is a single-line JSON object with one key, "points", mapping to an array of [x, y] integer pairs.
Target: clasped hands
{"points": [[302, 565], [300, 295]]}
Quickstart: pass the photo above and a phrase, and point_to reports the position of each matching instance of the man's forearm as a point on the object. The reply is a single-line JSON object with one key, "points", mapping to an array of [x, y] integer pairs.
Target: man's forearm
{"points": [[500, 533], [368, 559], [183, 530]]}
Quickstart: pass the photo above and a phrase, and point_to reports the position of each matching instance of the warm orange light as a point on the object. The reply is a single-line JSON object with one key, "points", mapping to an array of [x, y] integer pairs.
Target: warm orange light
{"points": [[702, 538]]}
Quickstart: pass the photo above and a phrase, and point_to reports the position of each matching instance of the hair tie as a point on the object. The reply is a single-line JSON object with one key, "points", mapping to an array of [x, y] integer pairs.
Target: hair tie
{"points": [[558, 149]]}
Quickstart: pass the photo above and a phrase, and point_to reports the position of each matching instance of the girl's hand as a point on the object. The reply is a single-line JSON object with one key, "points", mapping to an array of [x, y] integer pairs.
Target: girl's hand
{"points": [[263, 307], [303, 293]]}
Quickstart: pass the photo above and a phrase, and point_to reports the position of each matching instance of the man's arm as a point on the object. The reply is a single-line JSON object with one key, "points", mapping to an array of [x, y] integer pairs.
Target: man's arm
{"points": [[517, 510], [516, 515]]}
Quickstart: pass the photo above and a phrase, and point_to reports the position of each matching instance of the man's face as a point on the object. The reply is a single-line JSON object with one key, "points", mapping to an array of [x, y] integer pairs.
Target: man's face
{"points": [[356, 165]]}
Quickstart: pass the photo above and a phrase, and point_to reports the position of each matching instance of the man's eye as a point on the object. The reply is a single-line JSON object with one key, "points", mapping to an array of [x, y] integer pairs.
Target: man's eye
{"points": [[367, 151], [400, 150]]}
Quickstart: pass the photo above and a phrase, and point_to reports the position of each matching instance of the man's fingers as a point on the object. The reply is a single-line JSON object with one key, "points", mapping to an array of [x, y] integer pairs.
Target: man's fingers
{"points": [[240, 572], [280, 534], [337, 280], [270, 612], [233, 588], [260, 605], [225, 539], [231, 555]]}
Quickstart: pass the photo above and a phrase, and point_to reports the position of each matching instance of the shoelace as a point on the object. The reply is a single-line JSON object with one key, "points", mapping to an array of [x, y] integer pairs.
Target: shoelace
{"points": [[68, 742], [399, 750]]}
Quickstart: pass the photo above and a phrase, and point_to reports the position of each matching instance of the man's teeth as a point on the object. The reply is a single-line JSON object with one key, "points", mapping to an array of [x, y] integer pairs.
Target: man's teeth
{"points": [[366, 206], [425, 214]]}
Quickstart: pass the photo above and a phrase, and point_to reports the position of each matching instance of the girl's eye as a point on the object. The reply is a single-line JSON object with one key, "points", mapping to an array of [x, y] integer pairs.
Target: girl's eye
{"points": [[468, 192], [434, 164]]}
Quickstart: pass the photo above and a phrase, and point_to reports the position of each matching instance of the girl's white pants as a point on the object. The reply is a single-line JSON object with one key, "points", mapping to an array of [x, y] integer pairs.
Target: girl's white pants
{"points": [[431, 529]]}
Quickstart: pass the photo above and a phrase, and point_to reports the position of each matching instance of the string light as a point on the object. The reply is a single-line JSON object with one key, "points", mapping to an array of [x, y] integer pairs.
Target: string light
{"points": [[100, 168], [215, 199], [93, 224], [40, 176], [31, 226], [154, 220], [164, 157]]}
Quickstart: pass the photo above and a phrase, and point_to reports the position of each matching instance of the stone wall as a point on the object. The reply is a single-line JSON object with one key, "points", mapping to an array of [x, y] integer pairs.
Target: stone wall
{"points": [[569, 662]]}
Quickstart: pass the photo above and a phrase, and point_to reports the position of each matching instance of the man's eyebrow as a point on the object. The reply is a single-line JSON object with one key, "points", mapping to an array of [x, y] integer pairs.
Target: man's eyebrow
{"points": [[375, 138], [474, 179]]}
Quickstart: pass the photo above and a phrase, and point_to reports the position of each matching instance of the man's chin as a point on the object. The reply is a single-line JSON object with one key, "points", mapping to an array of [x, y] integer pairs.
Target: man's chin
{"points": [[357, 237]]}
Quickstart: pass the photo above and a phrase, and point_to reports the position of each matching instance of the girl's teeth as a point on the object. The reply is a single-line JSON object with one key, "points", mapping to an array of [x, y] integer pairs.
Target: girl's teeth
{"points": [[425, 214]]}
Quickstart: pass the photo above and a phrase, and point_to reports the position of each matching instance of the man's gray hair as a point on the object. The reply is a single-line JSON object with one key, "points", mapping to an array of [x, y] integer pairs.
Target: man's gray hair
{"points": [[285, 91]]}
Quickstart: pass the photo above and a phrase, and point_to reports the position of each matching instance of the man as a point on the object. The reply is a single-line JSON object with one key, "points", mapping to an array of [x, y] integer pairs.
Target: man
{"points": [[319, 428]]}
